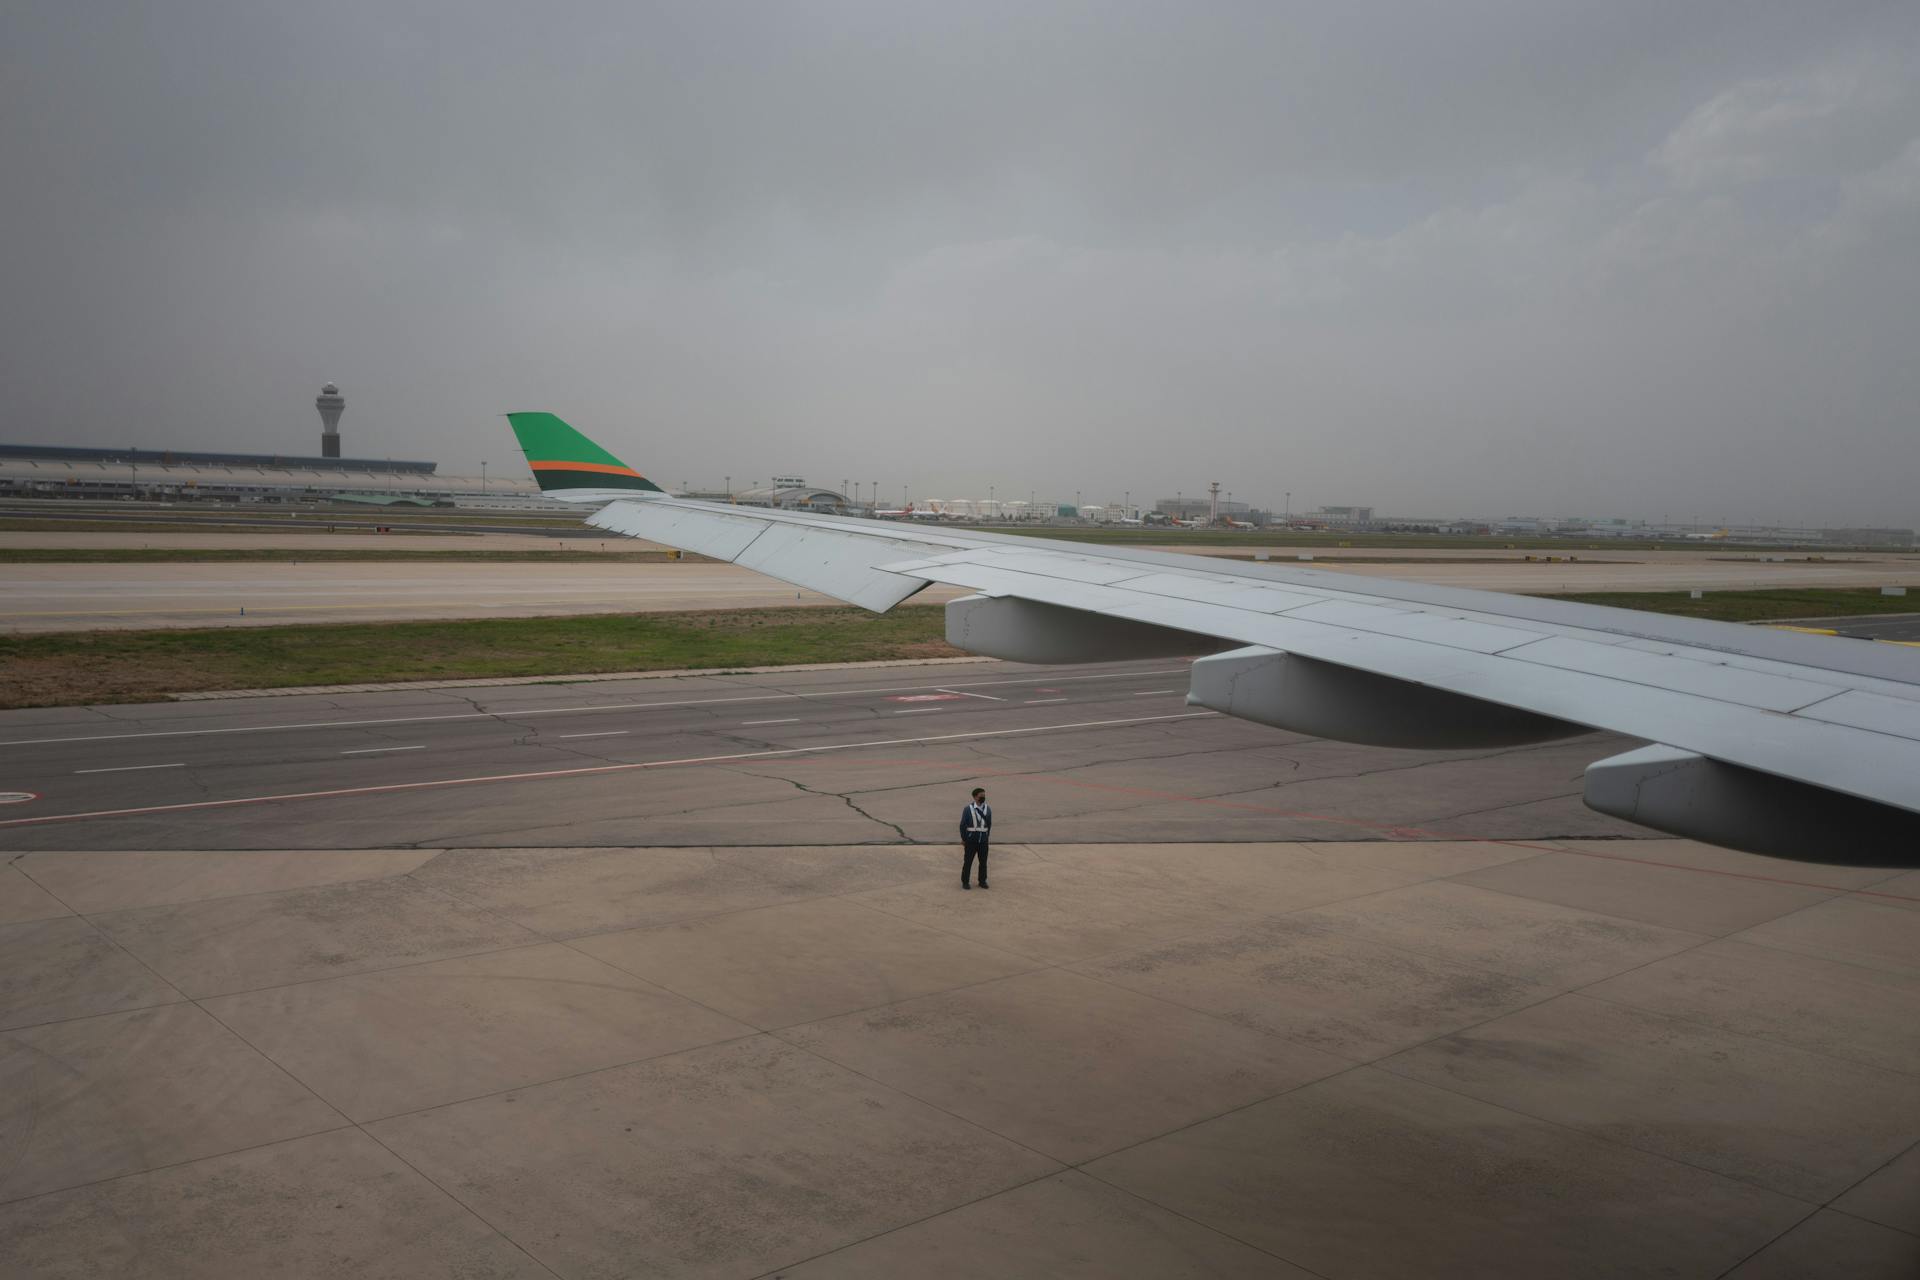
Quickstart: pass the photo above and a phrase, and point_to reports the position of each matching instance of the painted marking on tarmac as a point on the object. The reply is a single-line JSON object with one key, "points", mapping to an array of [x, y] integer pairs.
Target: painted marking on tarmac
{"points": [[604, 733], [984, 697], [18, 797], [546, 711], [130, 768], [917, 711], [1154, 693], [1034, 702], [788, 720], [927, 697], [586, 770], [370, 751]]}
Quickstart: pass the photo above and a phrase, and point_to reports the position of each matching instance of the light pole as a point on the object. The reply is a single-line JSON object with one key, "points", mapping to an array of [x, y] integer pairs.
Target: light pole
{"points": [[1288, 517], [483, 477], [993, 511]]}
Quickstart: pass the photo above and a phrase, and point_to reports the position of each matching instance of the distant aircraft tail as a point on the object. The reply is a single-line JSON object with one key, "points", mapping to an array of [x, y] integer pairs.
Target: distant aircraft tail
{"points": [[568, 465]]}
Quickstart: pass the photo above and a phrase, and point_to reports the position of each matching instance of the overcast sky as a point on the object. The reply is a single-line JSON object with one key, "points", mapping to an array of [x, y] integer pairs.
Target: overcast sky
{"points": [[1629, 258]]}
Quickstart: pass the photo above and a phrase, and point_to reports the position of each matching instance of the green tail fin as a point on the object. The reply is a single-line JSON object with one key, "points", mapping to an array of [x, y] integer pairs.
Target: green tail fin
{"points": [[562, 458]]}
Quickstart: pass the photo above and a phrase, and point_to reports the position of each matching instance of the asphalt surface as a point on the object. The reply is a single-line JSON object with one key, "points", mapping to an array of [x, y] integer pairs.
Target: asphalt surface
{"points": [[835, 757], [1903, 628], [676, 980], [68, 597]]}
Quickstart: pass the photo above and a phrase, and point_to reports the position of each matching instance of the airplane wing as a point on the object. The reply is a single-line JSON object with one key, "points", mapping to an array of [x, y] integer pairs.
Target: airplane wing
{"points": [[1791, 745]]}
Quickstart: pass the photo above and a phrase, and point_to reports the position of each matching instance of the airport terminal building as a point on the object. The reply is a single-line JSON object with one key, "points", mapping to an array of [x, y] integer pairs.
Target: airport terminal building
{"points": [[178, 475]]}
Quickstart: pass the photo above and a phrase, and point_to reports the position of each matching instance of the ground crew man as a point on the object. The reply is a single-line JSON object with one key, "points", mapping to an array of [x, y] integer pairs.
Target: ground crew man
{"points": [[976, 825]]}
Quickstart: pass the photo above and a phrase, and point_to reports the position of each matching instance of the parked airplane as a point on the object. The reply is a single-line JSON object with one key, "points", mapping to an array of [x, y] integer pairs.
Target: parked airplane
{"points": [[1792, 745]]}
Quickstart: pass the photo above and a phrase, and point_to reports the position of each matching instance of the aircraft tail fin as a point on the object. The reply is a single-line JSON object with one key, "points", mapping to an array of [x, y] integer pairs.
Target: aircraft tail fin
{"points": [[562, 459]]}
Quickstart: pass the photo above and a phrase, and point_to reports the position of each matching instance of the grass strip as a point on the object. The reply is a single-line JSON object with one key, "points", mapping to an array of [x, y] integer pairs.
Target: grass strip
{"points": [[73, 667]]}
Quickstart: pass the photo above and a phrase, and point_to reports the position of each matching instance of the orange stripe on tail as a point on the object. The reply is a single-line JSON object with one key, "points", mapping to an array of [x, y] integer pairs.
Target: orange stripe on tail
{"points": [[601, 467]]}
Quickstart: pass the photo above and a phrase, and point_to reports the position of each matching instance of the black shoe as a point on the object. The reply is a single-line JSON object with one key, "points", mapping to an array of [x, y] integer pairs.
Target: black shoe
{"points": [[965, 885], [985, 885]]}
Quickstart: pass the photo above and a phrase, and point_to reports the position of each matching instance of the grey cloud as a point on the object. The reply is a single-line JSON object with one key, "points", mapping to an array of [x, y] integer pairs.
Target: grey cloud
{"points": [[1624, 259]]}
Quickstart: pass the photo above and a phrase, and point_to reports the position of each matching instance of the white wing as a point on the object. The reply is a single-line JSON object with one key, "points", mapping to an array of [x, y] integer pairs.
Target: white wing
{"points": [[1798, 746]]}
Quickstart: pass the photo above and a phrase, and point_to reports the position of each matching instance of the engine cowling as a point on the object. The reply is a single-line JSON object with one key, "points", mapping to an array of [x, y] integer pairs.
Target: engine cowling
{"points": [[1319, 698]]}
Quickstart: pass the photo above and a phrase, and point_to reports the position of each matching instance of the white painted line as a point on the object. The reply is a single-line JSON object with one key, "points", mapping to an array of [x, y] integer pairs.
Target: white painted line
{"points": [[788, 720], [584, 770], [917, 711], [1150, 693], [984, 697], [368, 751], [130, 768], [508, 714], [604, 733], [1032, 702]]}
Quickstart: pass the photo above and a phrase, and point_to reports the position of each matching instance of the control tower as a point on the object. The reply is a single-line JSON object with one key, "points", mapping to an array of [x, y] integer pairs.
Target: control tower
{"points": [[331, 405]]}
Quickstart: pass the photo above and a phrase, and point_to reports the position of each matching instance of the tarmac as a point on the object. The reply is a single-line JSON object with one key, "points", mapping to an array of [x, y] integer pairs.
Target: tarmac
{"points": [[674, 978], [1900, 628]]}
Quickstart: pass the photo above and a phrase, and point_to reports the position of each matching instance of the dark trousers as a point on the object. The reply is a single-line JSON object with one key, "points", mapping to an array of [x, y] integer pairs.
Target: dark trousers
{"points": [[975, 849]]}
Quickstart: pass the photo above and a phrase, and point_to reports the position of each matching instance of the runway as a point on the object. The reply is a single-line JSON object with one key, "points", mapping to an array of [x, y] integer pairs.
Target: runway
{"points": [[72, 597], [830, 757], [81, 596]]}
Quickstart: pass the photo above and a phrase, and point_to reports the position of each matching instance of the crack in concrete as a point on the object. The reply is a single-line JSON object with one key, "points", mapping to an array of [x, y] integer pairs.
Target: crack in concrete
{"points": [[842, 796]]}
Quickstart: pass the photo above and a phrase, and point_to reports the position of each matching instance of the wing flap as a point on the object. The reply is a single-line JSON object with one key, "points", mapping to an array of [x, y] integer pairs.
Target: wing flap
{"points": [[1682, 675], [842, 565], [1871, 711], [1233, 594], [689, 529], [832, 559]]}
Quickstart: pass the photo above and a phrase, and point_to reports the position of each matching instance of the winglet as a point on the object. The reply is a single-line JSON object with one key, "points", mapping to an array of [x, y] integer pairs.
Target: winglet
{"points": [[562, 458]]}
